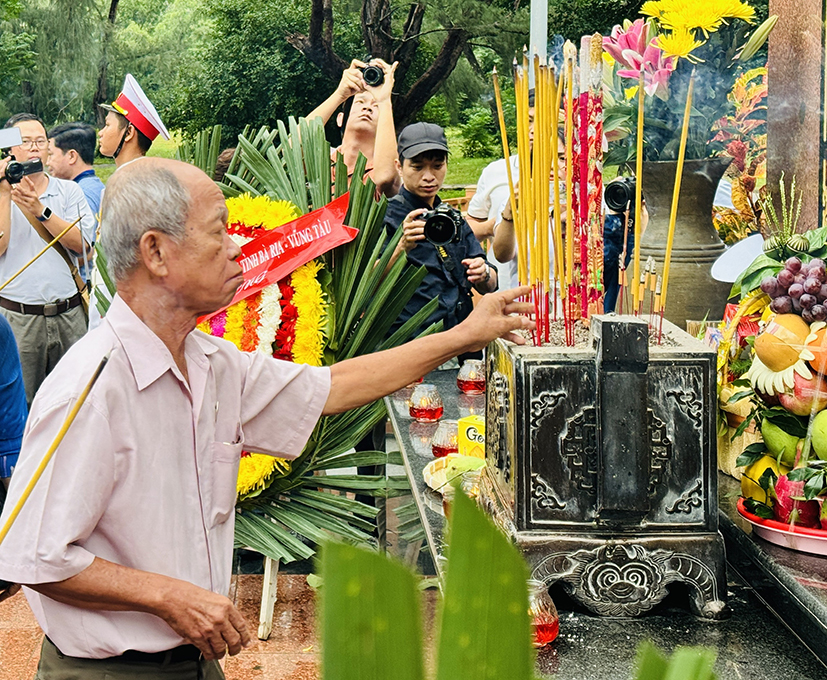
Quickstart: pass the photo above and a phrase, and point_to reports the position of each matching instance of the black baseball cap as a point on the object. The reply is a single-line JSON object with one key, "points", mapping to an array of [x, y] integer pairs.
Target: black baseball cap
{"points": [[418, 138]]}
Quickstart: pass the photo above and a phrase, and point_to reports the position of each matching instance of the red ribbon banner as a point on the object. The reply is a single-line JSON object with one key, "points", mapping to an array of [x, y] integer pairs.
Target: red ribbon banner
{"points": [[281, 251]]}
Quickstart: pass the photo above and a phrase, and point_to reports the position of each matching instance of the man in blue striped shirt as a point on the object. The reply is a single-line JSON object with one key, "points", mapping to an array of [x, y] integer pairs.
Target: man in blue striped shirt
{"points": [[71, 156]]}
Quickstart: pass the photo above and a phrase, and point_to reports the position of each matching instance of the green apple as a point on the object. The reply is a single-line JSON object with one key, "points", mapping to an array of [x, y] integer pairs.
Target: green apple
{"points": [[820, 435], [780, 443]]}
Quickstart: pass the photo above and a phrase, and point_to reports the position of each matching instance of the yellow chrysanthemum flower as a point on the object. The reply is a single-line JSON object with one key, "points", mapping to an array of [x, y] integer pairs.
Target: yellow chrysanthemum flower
{"points": [[679, 43], [308, 297], [255, 470], [254, 211], [653, 8], [735, 9]]}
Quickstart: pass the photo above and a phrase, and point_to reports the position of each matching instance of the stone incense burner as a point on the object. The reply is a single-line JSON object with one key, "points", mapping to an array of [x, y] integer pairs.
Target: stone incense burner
{"points": [[601, 466]]}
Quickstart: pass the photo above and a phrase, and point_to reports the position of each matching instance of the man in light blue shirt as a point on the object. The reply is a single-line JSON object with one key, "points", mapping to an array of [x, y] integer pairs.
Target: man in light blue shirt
{"points": [[71, 156]]}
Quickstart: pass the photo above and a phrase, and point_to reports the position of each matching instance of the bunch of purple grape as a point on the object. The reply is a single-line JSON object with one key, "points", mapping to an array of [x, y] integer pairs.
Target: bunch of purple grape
{"points": [[799, 288]]}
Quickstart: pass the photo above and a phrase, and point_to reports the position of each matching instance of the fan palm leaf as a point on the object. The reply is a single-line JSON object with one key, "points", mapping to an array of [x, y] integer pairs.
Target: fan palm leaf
{"points": [[310, 501]]}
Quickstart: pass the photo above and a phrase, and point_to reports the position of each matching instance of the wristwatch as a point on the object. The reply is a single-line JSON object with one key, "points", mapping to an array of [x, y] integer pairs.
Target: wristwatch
{"points": [[47, 213], [487, 274]]}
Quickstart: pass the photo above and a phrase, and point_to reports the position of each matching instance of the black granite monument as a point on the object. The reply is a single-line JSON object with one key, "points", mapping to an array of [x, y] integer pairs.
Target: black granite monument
{"points": [[601, 465]]}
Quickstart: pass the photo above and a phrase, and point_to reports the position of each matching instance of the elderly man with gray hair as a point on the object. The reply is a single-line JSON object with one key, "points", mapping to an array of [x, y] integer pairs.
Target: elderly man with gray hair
{"points": [[124, 548]]}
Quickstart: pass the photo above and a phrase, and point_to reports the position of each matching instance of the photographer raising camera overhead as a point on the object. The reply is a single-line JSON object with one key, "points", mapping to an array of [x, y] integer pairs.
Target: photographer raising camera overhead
{"points": [[433, 234], [45, 304], [366, 121]]}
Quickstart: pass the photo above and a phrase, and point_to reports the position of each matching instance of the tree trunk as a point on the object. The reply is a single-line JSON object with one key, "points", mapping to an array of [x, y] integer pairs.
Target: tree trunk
{"points": [[407, 106], [108, 33]]}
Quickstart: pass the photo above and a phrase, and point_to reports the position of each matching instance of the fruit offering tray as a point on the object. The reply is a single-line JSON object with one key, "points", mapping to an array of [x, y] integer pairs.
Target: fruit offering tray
{"points": [[792, 536]]}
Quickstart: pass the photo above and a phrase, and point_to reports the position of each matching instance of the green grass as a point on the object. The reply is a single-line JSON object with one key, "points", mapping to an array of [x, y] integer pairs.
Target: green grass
{"points": [[162, 148]]}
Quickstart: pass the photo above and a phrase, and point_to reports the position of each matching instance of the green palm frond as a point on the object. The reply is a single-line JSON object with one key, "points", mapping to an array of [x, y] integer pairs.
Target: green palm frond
{"points": [[311, 501], [203, 151]]}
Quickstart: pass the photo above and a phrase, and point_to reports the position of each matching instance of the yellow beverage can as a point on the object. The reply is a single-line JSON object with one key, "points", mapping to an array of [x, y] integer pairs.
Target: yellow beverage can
{"points": [[471, 436]]}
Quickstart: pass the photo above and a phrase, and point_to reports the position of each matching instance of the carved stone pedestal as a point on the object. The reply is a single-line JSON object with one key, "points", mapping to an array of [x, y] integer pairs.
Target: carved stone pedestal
{"points": [[601, 466]]}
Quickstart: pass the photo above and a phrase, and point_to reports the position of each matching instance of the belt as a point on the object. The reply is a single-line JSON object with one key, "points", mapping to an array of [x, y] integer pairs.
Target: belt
{"points": [[171, 656], [52, 309]]}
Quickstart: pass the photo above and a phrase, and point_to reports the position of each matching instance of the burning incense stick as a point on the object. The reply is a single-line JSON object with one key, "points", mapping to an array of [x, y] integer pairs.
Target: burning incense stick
{"points": [[32, 261], [58, 439], [638, 190], [676, 191], [504, 138]]}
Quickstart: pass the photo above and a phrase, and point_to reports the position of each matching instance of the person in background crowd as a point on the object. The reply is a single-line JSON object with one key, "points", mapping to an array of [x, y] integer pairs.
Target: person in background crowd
{"points": [[504, 245], [71, 156], [454, 269], [222, 164], [132, 124], [43, 305], [366, 122], [491, 193], [13, 408], [158, 441]]}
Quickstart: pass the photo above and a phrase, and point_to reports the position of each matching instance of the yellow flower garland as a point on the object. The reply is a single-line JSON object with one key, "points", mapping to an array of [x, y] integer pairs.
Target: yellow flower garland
{"points": [[261, 211], [308, 347], [254, 471]]}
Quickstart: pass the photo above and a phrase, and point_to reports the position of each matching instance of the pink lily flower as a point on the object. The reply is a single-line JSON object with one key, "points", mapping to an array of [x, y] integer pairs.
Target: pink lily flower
{"points": [[631, 47]]}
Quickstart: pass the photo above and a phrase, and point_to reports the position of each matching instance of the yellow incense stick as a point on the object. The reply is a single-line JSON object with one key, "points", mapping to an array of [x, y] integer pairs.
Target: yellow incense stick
{"points": [[559, 256], [641, 93], [676, 191], [32, 261], [548, 148], [568, 49], [58, 439], [506, 155]]}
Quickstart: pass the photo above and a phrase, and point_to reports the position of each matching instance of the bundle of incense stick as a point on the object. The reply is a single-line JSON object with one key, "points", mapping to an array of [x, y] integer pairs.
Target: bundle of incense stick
{"points": [[545, 257]]}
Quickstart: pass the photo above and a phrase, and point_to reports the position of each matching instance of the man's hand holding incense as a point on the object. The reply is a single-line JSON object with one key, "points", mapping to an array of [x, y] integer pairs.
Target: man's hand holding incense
{"points": [[498, 315]]}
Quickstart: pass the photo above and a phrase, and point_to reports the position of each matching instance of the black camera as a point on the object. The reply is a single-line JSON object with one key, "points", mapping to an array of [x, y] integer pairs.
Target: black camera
{"points": [[373, 75], [442, 225], [17, 170], [620, 194]]}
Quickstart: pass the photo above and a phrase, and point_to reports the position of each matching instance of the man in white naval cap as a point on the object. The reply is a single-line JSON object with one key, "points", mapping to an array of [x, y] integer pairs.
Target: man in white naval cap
{"points": [[131, 125]]}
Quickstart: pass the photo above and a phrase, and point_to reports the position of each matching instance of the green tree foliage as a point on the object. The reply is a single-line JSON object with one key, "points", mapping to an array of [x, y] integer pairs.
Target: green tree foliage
{"points": [[246, 73], [575, 18]]}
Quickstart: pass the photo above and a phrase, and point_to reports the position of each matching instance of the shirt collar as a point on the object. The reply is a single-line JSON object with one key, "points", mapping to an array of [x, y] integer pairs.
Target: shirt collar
{"points": [[86, 173], [148, 356], [417, 202], [51, 188]]}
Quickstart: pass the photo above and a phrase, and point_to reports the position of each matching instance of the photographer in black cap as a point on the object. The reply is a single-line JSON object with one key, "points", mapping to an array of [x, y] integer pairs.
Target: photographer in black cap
{"points": [[433, 234]]}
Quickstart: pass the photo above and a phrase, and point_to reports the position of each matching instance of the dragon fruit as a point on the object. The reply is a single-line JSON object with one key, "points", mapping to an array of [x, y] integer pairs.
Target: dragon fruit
{"points": [[789, 511]]}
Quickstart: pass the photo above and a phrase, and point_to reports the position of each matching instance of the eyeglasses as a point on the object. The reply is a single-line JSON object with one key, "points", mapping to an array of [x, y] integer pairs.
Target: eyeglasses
{"points": [[40, 143]]}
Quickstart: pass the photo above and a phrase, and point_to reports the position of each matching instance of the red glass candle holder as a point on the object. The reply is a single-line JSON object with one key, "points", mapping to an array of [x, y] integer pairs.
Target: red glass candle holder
{"points": [[445, 439], [545, 622], [471, 377], [426, 404]]}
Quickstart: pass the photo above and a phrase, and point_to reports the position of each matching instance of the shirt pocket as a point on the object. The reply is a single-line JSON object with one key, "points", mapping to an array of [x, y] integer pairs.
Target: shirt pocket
{"points": [[224, 462]]}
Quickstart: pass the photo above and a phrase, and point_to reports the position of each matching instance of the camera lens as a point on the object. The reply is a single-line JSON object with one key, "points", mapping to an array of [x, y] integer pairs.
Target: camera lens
{"points": [[14, 172], [440, 230], [618, 195], [373, 75]]}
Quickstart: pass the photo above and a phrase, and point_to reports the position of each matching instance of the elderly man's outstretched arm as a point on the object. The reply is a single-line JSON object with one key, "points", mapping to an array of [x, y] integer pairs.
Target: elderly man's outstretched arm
{"points": [[364, 379]]}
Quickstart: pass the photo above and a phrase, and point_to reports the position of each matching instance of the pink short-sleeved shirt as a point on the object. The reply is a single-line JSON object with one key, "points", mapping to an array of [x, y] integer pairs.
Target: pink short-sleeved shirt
{"points": [[146, 476]]}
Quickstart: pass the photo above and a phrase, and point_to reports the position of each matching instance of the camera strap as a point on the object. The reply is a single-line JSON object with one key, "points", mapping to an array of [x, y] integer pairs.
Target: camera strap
{"points": [[80, 284]]}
